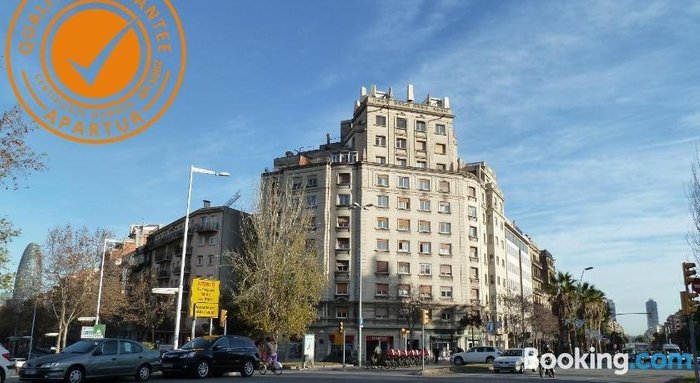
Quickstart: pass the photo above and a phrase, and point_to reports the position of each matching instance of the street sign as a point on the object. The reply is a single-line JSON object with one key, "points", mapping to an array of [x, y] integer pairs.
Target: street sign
{"points": [[86, 319], [165, 290], [205, 293], [98, 331], [87, 332]]}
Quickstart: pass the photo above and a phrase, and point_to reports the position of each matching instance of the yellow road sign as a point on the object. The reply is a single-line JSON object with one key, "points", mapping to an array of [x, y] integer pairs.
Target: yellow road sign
{"points": [[206, 310]]}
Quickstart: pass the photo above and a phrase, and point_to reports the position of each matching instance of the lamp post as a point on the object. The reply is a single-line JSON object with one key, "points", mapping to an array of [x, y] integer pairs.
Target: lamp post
{"points": [[102, 271], [359, 208], [178, 313], [578, 295]]}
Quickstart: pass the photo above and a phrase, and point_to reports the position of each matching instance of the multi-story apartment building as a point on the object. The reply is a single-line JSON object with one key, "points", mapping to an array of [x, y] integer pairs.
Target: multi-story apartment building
{"points": [[652, 314], [399, 216], [213, 232], [539, 289]]}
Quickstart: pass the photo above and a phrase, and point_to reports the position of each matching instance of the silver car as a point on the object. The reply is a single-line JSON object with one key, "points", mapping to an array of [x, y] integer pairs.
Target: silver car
{"points": [[94, 358]]}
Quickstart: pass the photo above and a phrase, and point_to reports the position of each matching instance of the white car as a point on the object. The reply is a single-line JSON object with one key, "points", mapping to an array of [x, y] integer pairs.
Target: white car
{"points": [[517, 360], [480, 354], [5, 364]]}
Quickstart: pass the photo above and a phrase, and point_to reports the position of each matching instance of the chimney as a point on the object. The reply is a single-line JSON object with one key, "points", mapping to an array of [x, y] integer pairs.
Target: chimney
{"points": [[409, 93], [363, 92], [373, 91], [328, 138], [207, 203], [446, 103]]}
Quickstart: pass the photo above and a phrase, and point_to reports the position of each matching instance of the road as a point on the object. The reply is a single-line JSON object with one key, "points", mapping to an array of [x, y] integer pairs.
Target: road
{"points": [[434, 375]]}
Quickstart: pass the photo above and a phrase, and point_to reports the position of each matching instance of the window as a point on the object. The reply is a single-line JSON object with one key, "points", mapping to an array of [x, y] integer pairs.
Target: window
{"points": [[471, 193], [341, 312], [425, 291], [404, 290], [445, 249], [440, 148], [401, 162], [441, 166], [341, 289], [404, 203], [474, 273], [444, 207], [381, 313], [343, 243], [440, 129], [401, 143], [211, 260], [473, 252], [445, 228], [421, 146], [405, 268], [344, 199], [444, 187], [424, 226], [472, 232], [422, 164], [446, 315], [212, 240], [446, 292], [202, 240], [109, 347], [312, 182], [382, 180], [381, 160], [382, 289], [383, 223], [312, 201], [420, 126], [200, 260], [400, 123], [404, 224], [446, 270], [342, 266], [382, 201], [404, 183], [343, 178], [424, 247], [296, 183], [344, 221], [404, 246], [382, 267], [380, 141], [126, 347], [424, 205], [425, 269], [424, 184], [382, 245], [380, 120]]}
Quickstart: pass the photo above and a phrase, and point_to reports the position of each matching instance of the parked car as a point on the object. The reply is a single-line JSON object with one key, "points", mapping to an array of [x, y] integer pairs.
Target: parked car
{"points": [[5, 364], [94, 358], [212, 355], [517, 360], [480, 354]]}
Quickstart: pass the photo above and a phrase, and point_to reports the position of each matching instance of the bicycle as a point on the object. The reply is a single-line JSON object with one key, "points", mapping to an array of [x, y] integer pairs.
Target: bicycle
{"points": [[267, 362], [549, 372]]}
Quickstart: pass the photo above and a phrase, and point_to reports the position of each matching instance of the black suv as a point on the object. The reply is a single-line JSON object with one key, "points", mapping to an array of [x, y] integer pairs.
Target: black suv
{"points": [[212, 355]]}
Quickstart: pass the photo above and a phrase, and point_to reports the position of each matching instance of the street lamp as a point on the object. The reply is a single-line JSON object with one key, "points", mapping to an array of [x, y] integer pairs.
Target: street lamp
{"points": [[102, 271], [359, 208], [184, 248], [578, 296]]}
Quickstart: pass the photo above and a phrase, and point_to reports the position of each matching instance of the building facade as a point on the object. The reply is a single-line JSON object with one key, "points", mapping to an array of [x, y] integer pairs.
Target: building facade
{"points": [[397, 218], [612, 310], [652, 314], [29, 274]]}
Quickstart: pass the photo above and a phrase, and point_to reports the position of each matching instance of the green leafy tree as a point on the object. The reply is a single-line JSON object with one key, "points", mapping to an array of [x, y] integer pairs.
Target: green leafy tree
{"points": [[7, 232], [278, 274]]}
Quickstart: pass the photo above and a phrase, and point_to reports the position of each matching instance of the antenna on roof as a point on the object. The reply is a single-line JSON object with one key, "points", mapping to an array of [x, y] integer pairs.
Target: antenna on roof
{"points": [[236, 196]]}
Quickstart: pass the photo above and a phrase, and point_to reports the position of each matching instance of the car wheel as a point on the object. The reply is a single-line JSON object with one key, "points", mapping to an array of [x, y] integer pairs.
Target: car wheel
{"points": [[2, 376], [522, 368], [459, 361], [248, 369], [144, 373], [489, 359], [202, 369], [75, 374]]}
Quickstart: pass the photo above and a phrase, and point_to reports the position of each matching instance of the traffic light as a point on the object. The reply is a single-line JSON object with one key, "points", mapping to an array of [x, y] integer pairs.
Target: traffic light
{"points": [[222, 317], [424, 318], [688, 303], [341, 327], [689, 273]]}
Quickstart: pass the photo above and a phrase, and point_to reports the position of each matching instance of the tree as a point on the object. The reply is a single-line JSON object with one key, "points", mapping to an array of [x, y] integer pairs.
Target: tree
{"points": [[72, 260], [410, 302], [17, 159], [562, 291], [693, 192], [472, 319], [143, 309], [278, 274], [516, 312], [7, 231], [545, 324]]}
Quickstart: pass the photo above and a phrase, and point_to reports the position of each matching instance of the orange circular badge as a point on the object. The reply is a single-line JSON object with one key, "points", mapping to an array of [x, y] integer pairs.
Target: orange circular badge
{"points": [[96, 71]]}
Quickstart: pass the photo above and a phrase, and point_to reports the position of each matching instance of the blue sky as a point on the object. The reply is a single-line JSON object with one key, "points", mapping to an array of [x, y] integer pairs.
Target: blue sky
{"points": [[587, 110]]}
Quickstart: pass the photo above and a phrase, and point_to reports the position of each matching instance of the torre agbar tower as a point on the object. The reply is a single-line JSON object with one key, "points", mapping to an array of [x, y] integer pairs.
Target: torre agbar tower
{"points": [[433, 237]]}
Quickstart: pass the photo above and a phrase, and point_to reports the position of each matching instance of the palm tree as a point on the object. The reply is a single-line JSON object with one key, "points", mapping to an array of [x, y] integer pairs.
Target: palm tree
{"points": [[562, 292], [592, 309]]}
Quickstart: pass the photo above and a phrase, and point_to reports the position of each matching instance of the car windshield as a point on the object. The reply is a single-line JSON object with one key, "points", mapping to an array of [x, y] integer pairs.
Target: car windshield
{"points": [[197, 343], [513, 352], [82, 347]]}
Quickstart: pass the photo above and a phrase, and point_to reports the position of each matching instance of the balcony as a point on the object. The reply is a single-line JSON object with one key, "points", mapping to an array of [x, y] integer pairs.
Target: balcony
{"points": [[474, 259], [342, 276], [473, 279], [164, 274], [206, 227], [188, 268], [163, 257]]}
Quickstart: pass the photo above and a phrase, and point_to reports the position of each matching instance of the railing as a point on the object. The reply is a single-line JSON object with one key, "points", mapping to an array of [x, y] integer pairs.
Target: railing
{"points": [[206, 226]]}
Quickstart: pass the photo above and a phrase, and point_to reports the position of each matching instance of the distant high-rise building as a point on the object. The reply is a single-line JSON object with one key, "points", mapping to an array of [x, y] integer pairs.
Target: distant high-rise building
{"points": [[611, 309], [28, 279], [652, 314]]}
